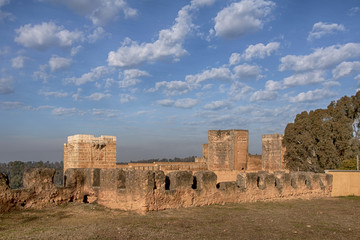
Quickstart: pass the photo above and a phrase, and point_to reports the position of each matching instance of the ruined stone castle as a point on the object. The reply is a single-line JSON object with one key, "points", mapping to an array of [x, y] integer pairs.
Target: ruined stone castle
{"points": [[226, 173]]}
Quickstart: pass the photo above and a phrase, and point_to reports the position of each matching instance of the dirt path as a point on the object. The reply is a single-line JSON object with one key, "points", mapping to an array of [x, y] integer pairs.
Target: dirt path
{"points": [[331, 218]]}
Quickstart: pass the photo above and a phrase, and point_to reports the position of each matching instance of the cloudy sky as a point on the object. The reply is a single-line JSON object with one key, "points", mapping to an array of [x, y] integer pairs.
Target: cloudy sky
{"points": [[158, 74]]}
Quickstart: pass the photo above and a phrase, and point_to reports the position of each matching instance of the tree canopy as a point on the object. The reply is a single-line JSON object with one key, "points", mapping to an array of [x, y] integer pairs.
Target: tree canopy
{"points": [[324, 138]]}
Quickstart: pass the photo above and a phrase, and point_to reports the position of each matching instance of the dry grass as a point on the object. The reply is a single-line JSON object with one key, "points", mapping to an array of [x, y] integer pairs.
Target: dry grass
{"points": [[331, 218]]}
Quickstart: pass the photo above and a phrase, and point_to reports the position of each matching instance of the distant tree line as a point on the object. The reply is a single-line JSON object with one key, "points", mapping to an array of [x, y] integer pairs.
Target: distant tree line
{"points": [[186, 159], [325, 138], [15, 170]]}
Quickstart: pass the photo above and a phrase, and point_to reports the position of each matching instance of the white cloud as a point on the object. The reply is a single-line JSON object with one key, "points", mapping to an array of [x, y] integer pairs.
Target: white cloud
{"points": [[46, 35], [271, 85], [245, 72], [97, 34], [42, 74], [125, 98], [6, 85], [98, 96], [239, 90], [61, 111], [53, 94], [242, 18], [59, 63], [186, 103], [260, 50], [11, 105], [234, 58], [321, 58], [5, 15], [345, 69], [173, 87], [98, 11], [110, 113], [217, 105], [263, 95], [130, 77], [168, 45], [75, 50], [312, 96], [18, 62], [166, 102], [353, 11], [93, 75], [304, 78], [320, 29], [221, 73]]}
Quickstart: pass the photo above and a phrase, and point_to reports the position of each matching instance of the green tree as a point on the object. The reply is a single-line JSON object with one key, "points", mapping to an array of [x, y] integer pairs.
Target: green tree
{"points": [[324, 138]]}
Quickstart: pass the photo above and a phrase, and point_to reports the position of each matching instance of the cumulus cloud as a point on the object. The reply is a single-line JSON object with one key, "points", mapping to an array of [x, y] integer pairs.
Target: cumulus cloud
{"points": [[5, 15], [260, 50], [18, 62], [8, 105], [242, 18], [53, 94], [166, 102], [234, 58], [93, 75], [353, 11], [110, 113], [320, 29], [61, 111], [97, 34], [130, 77], [173, 87], [245, 72], [304, 78], [312, 96], [263, 95], [186, 103], [221, 73], [6, 85], [45, 35], [271, 85], [75, 50], [239, 90], [98, 96], [345, 69], [180, 103], [217, 105], [168, 45], [59, 63], [321, 58], [125, 98]]}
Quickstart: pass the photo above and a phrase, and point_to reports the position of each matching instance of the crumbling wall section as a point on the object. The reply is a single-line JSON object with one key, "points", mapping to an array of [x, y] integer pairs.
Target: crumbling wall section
{"points": [[145, 190]]}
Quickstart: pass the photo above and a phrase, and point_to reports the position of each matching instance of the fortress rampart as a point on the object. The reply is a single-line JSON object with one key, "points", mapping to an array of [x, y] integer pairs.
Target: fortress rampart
{"points": [[145, 190]]}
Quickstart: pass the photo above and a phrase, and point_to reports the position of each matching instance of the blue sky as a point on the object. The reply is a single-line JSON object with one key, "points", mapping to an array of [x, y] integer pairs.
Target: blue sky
{"points": [[159, 74]]}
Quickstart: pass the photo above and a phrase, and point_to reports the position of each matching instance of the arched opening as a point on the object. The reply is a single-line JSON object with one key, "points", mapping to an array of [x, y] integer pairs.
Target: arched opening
{"points": [[167, 183], [194, 184]]}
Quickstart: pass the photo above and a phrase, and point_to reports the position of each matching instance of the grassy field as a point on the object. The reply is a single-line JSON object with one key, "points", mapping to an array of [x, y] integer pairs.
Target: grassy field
{"points": [[331, 218]]}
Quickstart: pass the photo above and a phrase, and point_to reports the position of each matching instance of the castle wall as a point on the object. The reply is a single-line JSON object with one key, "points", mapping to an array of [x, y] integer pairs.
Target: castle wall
{"points": [[140, 190], [87, 151], [227, 149], [272, 152]]}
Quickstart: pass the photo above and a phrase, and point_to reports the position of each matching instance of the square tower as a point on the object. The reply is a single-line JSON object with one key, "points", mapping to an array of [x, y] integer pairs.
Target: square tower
{"points": [[273, 152], [87, 151], [228, 149]]}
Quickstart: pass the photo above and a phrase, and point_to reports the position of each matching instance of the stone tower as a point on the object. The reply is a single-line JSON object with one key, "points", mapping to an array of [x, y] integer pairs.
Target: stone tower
{"points": [[273, 152], [87, 151], [227, 149]]}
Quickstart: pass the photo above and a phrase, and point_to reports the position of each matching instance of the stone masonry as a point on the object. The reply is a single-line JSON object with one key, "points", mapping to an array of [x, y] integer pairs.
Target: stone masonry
{"points": [[87, 151], [273, 152], [227, 149]]}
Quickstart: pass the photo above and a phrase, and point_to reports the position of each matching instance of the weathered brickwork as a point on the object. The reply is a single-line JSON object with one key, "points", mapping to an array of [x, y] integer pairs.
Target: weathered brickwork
{"points": [[144, 190], [272, 152], [87, 151], [227, 149]]}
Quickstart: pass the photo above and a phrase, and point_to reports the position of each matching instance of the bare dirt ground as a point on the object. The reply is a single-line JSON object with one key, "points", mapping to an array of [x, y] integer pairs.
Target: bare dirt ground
{"points": [[330, 218]]}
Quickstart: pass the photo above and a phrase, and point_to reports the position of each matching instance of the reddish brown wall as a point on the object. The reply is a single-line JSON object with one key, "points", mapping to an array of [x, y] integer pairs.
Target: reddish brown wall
{"points": [[272, 152]]}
